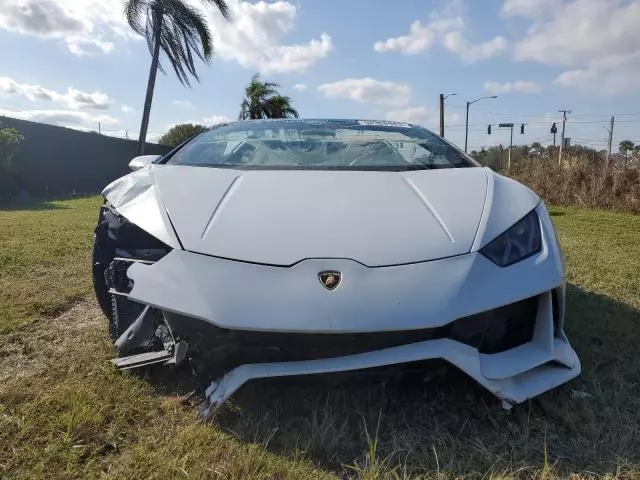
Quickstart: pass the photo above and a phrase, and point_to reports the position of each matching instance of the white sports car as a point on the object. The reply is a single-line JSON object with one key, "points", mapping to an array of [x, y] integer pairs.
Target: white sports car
{"points": [[290, 247]]}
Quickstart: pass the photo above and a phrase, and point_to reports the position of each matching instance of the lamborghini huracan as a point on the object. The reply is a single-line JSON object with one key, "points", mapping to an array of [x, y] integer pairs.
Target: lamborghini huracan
{"points": [[272, 248]]}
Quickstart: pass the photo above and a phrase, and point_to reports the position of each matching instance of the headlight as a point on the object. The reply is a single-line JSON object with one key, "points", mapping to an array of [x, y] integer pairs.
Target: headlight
{"points": [[519, 242]]}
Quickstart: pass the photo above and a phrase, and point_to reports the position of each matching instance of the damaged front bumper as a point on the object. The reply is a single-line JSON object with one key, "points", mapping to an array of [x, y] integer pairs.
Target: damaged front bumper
{"points": [[504, 330], [513, 375]]}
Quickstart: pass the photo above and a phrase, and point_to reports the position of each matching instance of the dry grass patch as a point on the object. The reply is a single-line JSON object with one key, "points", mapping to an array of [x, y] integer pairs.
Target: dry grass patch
{"points": [[581, 182]]}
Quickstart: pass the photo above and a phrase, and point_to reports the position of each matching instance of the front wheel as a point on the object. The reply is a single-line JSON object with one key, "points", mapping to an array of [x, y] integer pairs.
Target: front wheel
{"points": [[120, 311], [102, 256]]}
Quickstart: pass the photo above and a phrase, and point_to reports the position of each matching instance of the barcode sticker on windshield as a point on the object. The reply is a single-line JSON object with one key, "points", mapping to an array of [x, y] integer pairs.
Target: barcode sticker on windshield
{"points": [[376, 123]]}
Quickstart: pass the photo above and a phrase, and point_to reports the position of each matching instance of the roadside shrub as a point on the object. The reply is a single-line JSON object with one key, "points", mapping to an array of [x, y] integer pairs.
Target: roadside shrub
{"points": [[581, 182], [10, 141], [180, 133]]}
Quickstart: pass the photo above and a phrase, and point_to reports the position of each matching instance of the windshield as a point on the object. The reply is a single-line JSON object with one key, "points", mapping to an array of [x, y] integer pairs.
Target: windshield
{"points": [[320, 144]]}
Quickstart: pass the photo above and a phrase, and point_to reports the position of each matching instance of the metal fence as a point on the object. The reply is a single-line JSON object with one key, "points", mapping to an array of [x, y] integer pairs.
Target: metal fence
{"points": [[55, 161]]}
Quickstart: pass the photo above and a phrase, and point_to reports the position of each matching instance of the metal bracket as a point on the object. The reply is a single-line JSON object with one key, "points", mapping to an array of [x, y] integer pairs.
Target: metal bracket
{"points": [[142, 359]]}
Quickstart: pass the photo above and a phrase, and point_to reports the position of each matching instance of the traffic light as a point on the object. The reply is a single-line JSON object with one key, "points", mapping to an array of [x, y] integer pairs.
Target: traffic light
{"points": [[554, 129], [522, 129], [488, 129]]}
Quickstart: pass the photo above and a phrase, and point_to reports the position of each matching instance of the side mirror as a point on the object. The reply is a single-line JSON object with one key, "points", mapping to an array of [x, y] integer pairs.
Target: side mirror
{"points": [[140, 162]]}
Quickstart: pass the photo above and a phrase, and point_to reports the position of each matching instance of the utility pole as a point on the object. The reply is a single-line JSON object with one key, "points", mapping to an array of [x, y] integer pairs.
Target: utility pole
{"points": [[466, 129], [99, 128], [442, 115], [508, 125], [442, 99], [564, 121], [610, 141]]}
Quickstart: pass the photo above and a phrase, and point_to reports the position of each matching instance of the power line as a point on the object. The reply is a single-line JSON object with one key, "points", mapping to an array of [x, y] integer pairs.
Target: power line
{"points": [[547, 114]]}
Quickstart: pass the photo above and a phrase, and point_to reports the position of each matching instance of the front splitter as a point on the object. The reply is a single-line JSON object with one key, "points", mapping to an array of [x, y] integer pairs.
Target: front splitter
{"points": [[557, 367]]}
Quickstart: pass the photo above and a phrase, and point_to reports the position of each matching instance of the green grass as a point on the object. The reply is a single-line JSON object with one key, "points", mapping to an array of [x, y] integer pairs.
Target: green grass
{"points": [[45, 259], [71, 415]]}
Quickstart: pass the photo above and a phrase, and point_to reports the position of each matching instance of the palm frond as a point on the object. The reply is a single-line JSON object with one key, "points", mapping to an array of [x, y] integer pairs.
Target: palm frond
{"points": [[222, 7], [244, 110], [181, 29], [133, 12], [262, 100], [279, 106]]}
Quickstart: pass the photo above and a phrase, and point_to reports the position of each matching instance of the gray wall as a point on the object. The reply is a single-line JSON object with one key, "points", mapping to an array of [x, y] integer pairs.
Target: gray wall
{"points": [[58, 161]]}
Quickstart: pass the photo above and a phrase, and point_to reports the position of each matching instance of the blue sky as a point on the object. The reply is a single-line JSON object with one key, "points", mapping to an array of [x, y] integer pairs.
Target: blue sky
{"points": [[75, 63]]}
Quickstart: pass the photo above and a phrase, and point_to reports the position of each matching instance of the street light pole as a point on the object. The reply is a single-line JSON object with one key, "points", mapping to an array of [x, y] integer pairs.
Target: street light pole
{"points": [[466, 128], [442, 99]]}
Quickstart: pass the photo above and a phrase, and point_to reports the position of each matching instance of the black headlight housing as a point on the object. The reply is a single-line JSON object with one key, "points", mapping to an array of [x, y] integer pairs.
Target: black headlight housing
{"points": [[520, 241]]}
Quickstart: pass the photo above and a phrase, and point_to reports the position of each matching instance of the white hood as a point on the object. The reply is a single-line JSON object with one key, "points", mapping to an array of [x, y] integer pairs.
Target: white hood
{"points": [[281, 217]]}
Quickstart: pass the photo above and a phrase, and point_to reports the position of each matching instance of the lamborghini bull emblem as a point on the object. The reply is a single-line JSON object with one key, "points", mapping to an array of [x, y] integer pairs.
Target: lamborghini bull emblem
{"points": [[330, 279]]}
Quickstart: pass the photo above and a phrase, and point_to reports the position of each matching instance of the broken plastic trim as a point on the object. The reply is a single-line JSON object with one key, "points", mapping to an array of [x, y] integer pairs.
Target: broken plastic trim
{"points": [[513, 375], [138, 335]]}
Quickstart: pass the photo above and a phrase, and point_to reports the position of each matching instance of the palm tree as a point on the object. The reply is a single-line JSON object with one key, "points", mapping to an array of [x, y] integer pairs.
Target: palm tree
{"points": [[625, 146], [180, 31], [262, 100]]}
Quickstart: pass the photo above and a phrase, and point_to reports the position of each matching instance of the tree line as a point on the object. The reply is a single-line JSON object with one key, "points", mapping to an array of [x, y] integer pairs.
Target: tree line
{"points": [[496, 156]]}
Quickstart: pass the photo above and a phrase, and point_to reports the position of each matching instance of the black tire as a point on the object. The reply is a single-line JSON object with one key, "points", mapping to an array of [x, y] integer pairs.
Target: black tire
{"points": [[120, 311], [125, 312], [102, 256]]}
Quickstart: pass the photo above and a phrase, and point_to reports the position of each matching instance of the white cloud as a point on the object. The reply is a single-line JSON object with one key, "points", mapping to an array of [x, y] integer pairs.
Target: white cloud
{"points": [[153, 137], [456, 43], [214, 119], [422, 115], [73, 98], [521, 86], [446, 27], [526, 8], [253, 38], [300, 87], [609, 75], [368, 90], [63, 118], [599, 38], [184, 104], [411, 114], [126, 108], [419, 39], [85, 26]]}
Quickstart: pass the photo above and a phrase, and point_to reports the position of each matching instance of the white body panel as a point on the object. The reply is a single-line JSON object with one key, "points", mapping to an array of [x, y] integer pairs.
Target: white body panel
{"points": [[282, 217], [247, 296]]}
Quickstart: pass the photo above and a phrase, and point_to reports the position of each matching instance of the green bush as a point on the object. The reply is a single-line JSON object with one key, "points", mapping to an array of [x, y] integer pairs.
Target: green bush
{"points": [[180, 133], [10, 141]]}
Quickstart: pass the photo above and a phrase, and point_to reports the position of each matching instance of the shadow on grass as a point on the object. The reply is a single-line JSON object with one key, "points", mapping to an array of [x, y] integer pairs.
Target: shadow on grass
{"points": [[32, 205], [434, 417], [49, 203]]}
